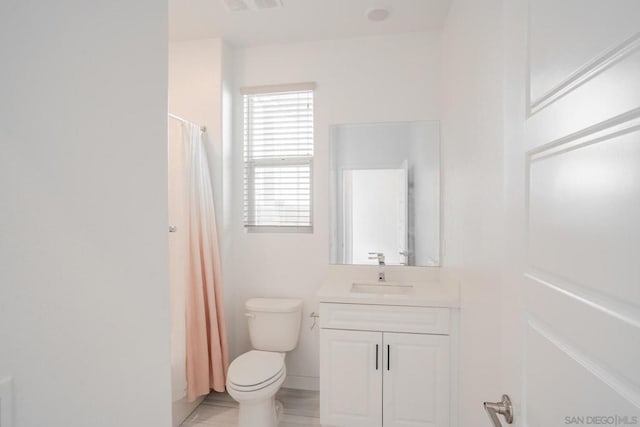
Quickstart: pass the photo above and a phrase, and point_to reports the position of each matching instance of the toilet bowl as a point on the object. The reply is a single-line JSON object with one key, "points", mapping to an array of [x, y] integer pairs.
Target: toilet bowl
{"points": [[253, 380], [255, 377]]}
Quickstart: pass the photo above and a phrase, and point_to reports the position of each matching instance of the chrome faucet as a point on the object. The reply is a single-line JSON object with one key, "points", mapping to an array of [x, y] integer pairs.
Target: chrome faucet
{"points": [[380, 257]]}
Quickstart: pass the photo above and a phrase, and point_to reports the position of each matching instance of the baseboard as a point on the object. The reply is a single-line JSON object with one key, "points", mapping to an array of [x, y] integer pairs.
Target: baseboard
{"points": [[302, 383], [181, 409]]}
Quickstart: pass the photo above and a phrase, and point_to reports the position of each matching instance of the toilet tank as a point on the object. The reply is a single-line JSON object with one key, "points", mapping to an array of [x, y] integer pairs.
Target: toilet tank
{"points": [[274, 323]]}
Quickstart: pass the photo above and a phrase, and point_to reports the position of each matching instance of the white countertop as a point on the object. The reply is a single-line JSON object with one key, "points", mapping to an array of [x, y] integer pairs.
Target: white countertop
{"points": [[422, 294]]}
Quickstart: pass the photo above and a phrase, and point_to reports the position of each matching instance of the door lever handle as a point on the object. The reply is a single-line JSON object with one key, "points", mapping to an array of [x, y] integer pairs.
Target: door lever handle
{"points": [[504, 408]]}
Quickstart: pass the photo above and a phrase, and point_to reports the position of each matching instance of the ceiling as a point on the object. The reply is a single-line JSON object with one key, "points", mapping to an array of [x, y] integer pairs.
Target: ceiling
{"points": [[301, 20]]}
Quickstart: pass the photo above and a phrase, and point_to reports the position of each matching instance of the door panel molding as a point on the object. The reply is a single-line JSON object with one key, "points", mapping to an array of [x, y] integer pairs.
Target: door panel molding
{"points": [[612, 128], [574, 187], [591, 69], [627, 390], [606, 97], [620, 310], [599, 332], [553, 360]]}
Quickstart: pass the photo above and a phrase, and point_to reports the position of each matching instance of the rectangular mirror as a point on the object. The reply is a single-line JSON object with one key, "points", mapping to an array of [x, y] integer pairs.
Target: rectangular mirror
{"points": [[385, 193]]}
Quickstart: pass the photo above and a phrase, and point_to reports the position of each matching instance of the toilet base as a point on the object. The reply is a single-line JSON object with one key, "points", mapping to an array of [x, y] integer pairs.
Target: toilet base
{"points": [[258, 413], [258, 408]]}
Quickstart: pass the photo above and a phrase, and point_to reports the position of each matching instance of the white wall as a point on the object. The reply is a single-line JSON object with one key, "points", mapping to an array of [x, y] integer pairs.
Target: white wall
{"points": [[472, 141], [227, 189], [84, 293], [377, 79], [195, 93]]}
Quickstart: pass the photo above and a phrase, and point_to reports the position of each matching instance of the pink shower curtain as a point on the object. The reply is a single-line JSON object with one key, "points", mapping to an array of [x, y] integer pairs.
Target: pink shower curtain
{"points": [[206, 340]]}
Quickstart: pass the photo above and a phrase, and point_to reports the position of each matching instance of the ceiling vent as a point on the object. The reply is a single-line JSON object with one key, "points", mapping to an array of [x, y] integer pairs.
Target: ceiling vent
{"points": [[244, 5]]}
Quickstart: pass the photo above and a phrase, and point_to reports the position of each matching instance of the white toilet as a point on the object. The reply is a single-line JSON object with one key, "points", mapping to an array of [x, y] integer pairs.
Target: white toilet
{"points": [[255, 376]]}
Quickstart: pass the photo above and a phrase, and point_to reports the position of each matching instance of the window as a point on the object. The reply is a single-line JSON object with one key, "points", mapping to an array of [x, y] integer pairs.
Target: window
{"points": [[278, 157]]}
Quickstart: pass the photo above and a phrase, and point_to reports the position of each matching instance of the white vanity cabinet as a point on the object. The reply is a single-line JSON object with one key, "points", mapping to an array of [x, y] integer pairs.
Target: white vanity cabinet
{"points": [[384, 366]]}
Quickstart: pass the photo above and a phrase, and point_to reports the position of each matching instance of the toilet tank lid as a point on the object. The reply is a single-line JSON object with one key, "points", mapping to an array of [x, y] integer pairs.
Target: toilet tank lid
{"points": [[273, 305]]}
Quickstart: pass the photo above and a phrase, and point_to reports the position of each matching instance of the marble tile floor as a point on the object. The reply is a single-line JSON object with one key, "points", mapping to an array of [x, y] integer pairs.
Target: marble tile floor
{"points": [[301, 409]]}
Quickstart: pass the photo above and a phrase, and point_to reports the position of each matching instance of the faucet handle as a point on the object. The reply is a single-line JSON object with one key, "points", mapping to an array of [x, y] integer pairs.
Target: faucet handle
{"points": [[377, 255]]}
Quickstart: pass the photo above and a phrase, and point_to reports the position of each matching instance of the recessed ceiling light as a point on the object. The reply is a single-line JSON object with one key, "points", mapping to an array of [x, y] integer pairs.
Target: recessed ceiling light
{"points": [[377, 14]]}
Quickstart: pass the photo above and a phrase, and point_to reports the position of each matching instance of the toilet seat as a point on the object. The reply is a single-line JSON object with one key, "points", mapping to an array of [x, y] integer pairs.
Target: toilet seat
{"points": [[255, 370]]}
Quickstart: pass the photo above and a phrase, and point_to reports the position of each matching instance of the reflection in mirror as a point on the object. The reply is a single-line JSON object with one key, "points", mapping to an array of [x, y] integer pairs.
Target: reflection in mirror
{"points": [[380, 221], [385, 193]]}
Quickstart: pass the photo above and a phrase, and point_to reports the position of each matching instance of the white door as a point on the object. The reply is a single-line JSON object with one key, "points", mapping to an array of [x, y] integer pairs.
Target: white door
{"points": [[572, 315], [416, 380], [350, 378]]}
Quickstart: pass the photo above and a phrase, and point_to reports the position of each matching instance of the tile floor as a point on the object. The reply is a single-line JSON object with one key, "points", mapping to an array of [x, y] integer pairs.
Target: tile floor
{"points": [[301, 409]]}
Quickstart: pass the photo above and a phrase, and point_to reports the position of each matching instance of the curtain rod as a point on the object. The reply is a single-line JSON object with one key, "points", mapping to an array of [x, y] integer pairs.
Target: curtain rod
{"points": [[202, 128]]}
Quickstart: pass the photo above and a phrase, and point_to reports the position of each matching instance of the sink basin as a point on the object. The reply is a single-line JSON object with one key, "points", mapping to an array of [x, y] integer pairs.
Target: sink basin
{"points": [[388, 288]]}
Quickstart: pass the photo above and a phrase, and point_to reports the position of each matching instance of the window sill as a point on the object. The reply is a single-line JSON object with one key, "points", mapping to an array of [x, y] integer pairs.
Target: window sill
{"points": [[278, 229]]}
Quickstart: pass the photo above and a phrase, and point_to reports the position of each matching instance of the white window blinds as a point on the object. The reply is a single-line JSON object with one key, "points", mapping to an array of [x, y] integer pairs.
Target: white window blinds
{"points": [[278, 158]]}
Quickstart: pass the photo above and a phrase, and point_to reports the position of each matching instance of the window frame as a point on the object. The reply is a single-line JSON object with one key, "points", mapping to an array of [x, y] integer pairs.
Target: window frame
{"points": [[250, 164]]}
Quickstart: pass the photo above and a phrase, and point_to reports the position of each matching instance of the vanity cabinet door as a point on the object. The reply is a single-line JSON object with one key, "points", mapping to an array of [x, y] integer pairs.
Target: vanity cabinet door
{"points": [[416, 380], [350, 378]]}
